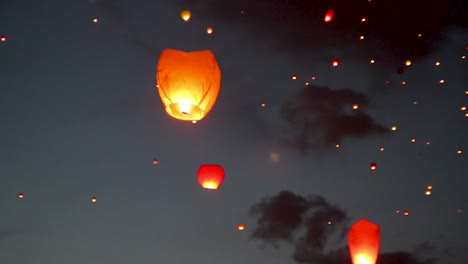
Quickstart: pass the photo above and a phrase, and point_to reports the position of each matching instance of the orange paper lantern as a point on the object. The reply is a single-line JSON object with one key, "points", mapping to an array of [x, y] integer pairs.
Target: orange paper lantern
{"points": [[363, 242], [210, 176], [188, 83]]}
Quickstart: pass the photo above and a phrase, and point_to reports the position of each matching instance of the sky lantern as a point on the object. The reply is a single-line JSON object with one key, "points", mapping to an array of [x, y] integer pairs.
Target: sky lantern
{"points": [[335, 62], [294, 77], [3, 38], [373, 166], [188, 83], [185, 15], [209, 30], [20, 195], [155, 162], [329, 15], [240, 227], [364, 241], [93, 199], [95, 20], [408, 62], [210, 176]]}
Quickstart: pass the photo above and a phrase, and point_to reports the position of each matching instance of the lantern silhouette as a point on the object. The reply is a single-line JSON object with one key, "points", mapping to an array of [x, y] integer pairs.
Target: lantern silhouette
{"points": [[210, 176], [185, 15], [188, 83], [363, 242]]}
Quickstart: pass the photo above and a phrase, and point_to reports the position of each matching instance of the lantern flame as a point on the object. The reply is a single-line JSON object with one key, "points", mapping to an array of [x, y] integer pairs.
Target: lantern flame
{"points": [[363, 242]]}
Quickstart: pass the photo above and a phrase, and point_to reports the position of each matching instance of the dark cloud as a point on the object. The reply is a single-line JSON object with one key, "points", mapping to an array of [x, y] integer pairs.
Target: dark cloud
{"points": [[303, 222], [321, 117]]}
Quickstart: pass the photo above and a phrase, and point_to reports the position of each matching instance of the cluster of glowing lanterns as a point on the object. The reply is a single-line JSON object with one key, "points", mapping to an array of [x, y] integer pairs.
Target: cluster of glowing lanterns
{"points": [[428, 190]]}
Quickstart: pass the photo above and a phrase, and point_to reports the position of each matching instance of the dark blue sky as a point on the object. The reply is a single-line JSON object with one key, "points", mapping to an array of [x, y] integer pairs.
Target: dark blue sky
{"points": [[81, 117]]}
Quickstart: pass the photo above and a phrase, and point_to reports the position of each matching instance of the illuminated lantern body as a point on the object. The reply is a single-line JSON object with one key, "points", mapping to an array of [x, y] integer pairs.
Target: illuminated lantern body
{"points": [[335, 62], [3, 38], [185, 15], [20, 195], [188, 83], [373, 166], [363, 242], [210, 176], [93, 199], [209, 30], [329, 15], [240, 227]]}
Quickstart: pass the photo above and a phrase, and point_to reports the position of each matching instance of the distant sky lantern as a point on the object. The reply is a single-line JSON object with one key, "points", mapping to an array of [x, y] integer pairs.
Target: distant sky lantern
{"points": [[413, 140], [400, 69], [188, 83], [466, 47], [20, 195], [382, 149], [210, 176], [372, 61], [408, 62], [209, 30], [437, 63], [463, 57], [363, 19], [240, 227], [373, 166], [263, 105], [462, 108], [329, 15], [428, 192], [459, 151], [3, 38], [361, 37], [419, 35], [364, 242], [93, 199], [406, 212], [337, 145], [185, 15], [394, 128], [335, 62], [294, 77], [95, 20], [155, 161], [428, 142], [355, 106], [313, 78], [441, 81]]}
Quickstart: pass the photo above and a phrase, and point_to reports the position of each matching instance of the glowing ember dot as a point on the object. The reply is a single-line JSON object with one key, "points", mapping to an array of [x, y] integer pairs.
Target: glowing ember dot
{"points": [[335, 63], [263, 104], [429, 187], [466, 115], [463, 57], [466, 92], [419, 35], [408, 63], [382, 149], [313, 77], [415, 102], [463, 108], [459, 151], [373, 166], [95, 20], [3, 38], [363, 19], [397, 211], [428, 142], [413, 140], [242, 11], [209, 30], [355, 106], [387, 81], [294, 77], [361, 37], [372, 61], [394, 128], [403, 82], [459, 210], [437, 63], [20, 195], [307, 83], [406, 213], [337, 145], [428, 192], [93, 199], [442, 81], [155, 161], [240, 227], [329, 222]]}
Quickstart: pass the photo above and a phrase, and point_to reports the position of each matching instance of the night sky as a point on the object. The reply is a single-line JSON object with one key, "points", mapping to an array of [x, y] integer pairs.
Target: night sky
{"points": [[81, 117]]}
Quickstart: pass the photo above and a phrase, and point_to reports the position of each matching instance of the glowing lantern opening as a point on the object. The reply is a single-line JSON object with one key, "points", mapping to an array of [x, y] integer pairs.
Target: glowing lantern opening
{"points": [[209, 30], [210, 176], [20, 195], [373, 166], [93, 199], [3, 38], [363, 242], [240, 227], [188, 83], [185, 15]]}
